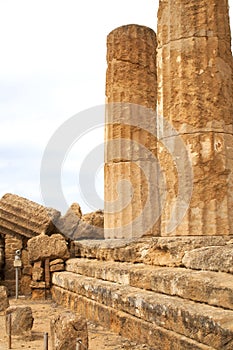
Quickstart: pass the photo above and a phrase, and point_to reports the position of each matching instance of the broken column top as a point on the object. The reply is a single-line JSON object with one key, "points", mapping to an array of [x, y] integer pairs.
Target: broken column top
{"points": [[131, 73], [133, 43]]}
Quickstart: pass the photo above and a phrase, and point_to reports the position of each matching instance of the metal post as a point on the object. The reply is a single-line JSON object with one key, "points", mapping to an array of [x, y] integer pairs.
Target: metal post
{"points": [[78, 344], [46, 341], [16, 283], [9, 331]]}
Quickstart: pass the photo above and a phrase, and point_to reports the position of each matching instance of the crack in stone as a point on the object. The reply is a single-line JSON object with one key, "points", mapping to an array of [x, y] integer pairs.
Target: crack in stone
{"points": [[135, 64], [190, 37]]}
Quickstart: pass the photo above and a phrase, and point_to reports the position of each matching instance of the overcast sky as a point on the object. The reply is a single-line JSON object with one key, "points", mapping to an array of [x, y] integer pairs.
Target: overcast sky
{"points": [[52, 66]]}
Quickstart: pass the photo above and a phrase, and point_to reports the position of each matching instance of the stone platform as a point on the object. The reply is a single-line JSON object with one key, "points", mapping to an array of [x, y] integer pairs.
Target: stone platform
{"points": [[183, 302]]}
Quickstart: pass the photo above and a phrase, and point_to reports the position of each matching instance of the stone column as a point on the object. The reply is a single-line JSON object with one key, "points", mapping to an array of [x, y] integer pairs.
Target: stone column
{"points": [[130, 134], [195, 97]]}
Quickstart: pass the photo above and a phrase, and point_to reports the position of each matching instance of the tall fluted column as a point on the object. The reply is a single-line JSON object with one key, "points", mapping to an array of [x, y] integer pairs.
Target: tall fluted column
{"points": [[195, 96], [131, 197]]}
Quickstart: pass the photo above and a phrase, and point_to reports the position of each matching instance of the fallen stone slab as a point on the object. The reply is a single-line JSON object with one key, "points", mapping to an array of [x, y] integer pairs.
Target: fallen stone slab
{"points": [[24, 217], [47, 247], [66, 328], [68, 223]]}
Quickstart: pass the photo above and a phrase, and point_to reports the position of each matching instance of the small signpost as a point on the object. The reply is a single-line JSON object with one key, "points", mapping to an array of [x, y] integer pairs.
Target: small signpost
{"points": [[17, 266]]}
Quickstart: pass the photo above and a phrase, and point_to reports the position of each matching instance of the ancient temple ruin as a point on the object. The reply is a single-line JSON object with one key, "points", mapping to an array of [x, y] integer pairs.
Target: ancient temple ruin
{"points": [[195, 98], [171, 290], [169, 284]]}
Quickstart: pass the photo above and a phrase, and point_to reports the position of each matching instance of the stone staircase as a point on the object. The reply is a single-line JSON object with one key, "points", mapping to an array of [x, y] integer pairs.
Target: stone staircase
{"points": [[166, 307]]}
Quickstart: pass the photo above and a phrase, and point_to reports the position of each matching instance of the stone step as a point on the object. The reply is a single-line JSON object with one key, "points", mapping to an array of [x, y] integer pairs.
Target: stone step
{"points": [[124, 324], [213, 288], [157, 251], [203, 323]]}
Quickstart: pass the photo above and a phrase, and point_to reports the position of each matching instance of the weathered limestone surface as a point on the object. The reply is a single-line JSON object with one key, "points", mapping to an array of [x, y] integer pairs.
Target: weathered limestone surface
{"points": [[12, 243], [37, 271], [160, 251], [205, 324], [128, 326], [213, 288], [96, 218], [58, 267], [21, 216], [47, 247], [4, 302], [68, 223], [21, 320], [91, 226], [56, 261], [2, 246], [195, 95], [131, 79], [38, 284], [38, 294], [24, 284], [66, 328], [26, 276], [76, 226], [210, 258], [131, 72]]}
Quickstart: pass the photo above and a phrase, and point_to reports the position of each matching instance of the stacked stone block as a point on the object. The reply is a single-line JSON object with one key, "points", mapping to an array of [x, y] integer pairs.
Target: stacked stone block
{"points": [[21, 219]]}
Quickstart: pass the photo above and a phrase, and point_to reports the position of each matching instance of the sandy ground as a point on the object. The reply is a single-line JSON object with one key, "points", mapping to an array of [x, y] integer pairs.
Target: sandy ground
{"points": [[99, 339]]}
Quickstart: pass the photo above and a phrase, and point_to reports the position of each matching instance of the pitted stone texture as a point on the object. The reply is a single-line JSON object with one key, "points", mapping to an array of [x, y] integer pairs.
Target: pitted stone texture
{"points": [[68, 223], [2, 260], [210, 211], [51, 247], [131, 73], [210, 258], [66, 328], [37, 271], [128, 326], [13, 242], [76, 226], [195, 96], [195, 83], [203, 323], [4, 302], [21, 321], [24, 284], [213, 288], [91, 226], [21, 216], [161, 251], [96, 218], [130, 147]]}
